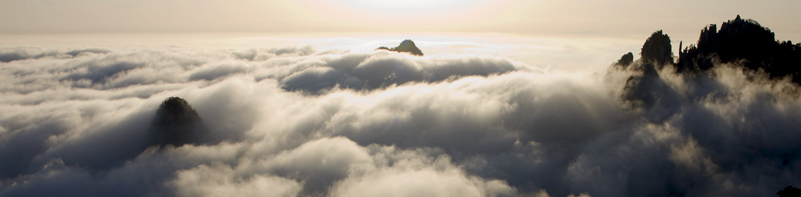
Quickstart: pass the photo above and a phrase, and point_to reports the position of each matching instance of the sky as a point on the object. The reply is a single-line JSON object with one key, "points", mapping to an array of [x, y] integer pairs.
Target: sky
{"points": [[291, 98], [606, 17]]}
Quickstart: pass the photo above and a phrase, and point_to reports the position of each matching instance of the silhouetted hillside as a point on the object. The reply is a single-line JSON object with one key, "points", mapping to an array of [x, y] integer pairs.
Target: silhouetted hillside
{"points": [[176, 123], [789, 191], [407, 46]]}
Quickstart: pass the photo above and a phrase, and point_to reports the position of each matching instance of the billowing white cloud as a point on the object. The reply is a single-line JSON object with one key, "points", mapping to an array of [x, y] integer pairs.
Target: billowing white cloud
{"points": [[296, 122], [412, 173], [217, 181]]}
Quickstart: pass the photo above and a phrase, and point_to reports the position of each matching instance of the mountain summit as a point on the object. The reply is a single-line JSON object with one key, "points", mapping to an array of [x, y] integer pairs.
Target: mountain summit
{"points": [[407, 46]]}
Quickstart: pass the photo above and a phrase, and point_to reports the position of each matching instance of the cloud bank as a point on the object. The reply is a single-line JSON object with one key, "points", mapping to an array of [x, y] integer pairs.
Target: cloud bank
{"points": [[298, 122]]}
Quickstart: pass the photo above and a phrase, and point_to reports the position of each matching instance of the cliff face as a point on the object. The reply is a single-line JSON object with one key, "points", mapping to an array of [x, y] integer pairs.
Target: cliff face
{"points": [[176, 123], [407, 46]]}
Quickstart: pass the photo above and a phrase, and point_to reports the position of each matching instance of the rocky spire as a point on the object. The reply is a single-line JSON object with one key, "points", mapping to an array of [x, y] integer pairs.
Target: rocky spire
{"points": [[657, 49]]}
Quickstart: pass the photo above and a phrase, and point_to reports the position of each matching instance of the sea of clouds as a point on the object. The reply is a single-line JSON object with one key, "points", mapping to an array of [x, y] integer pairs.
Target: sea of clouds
{"points": [[296, 121]]}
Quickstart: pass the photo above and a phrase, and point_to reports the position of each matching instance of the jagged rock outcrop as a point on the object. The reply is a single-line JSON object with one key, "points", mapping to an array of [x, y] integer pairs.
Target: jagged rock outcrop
{"points": [[176, 123], [655, 51], [747, 43], [742, 42], [407, 46]]}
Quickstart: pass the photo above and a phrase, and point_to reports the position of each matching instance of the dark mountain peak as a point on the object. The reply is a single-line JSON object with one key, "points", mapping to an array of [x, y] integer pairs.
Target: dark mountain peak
{"points": [[175, 110], [176, 123], [657, 49], [407, 46]]}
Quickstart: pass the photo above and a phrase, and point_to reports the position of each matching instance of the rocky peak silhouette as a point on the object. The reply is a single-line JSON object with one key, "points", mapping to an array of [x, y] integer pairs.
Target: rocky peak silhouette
{"points": [[657, 49], [407, 46], [625, 60]]}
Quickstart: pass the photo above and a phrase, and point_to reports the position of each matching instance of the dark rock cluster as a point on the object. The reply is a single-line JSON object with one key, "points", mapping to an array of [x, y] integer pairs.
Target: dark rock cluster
{"points": [[746, 43], [741, 42]]}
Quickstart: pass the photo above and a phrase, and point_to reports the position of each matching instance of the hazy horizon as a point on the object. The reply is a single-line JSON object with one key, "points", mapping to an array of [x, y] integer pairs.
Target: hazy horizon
{"points": [[625, 18]]}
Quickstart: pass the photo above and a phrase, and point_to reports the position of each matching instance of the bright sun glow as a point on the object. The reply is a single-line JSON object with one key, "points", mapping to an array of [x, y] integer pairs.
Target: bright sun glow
{"points": [[407, 5]]}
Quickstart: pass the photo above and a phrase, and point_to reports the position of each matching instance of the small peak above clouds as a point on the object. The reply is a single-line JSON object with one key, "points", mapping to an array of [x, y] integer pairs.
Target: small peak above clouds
{"points": [[407, 46]]}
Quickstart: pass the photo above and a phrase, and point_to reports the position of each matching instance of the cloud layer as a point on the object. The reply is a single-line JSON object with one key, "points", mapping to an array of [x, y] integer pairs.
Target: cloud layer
{"points": [[298, 122]]}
